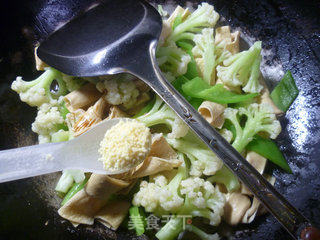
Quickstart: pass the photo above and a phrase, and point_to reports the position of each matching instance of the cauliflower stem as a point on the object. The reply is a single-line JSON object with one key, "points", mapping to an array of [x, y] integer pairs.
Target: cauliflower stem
{"points": [[38, 92], [161, 113], [203, 160]]}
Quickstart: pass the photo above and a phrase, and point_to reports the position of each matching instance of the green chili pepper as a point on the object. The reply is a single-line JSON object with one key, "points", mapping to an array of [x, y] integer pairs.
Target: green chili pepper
{"points": [[268, 149], [197, 88], [285, 92], [178, 83]]}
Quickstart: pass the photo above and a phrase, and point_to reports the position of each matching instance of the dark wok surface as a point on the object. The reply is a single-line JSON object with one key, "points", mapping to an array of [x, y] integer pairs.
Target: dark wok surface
{"points": [[290, 31]]}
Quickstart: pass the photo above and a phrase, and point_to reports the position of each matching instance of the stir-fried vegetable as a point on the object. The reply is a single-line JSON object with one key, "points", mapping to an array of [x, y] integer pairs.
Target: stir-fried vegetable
{"points": [[267, 148], [197, 88], [285, 92], [138, 219], [74, 189]]}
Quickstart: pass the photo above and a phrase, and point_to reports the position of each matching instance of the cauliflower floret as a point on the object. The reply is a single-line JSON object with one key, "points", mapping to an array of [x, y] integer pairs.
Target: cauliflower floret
{"points": [[173, 59], [203, 17], [208, 55], [148, 196], [37, 92], [119, 91], [203, 160], [47, 122], [202, 199], [202, 194], [260, 118], [243, 69], [160, 196]]}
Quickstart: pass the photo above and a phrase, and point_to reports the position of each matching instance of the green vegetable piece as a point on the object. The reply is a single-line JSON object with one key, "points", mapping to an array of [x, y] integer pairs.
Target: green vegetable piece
{"points": [[63, 110], [226, 177], [268, 149], [138, 219], [285, 92], [41, 90], [192, 70], [171, 230], [75, 188], [197, 88], [201, 234], [60, 136], [177, 21], [146, 108]]}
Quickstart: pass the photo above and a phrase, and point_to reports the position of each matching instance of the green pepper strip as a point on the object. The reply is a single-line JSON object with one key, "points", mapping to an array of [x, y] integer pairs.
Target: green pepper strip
{"points": [[197, 88], [268, 149], [178, 83], [285, 92]]}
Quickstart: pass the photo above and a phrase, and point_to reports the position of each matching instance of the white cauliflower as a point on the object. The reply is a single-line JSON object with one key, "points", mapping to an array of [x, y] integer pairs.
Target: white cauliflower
{"points": [[173, 59], [119, 91], [38, 92], [47, 122], [160, 196], [259, 118], [243, 69], [207, 55], [203, 160], [201, 194]]}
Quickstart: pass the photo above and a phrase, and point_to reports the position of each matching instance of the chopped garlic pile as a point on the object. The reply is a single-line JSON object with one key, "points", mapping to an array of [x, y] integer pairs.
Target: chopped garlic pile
{"points": [[125, 145]]}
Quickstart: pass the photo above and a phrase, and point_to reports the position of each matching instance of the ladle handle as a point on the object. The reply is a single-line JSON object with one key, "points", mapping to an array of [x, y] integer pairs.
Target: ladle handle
{"points": [[28, 161], [284, 212]]}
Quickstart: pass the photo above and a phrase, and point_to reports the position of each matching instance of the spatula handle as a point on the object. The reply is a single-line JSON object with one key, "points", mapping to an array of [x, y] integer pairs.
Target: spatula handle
{"points": [[284, 212], [28, 161]]}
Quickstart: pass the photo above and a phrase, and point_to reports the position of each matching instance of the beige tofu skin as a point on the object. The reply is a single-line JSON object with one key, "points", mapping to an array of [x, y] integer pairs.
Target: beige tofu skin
{"points": [[265, 98], [259, 163], [239, 208], [213, 113], [40, 65], [232, 45], [236, 206], [231, 39]]}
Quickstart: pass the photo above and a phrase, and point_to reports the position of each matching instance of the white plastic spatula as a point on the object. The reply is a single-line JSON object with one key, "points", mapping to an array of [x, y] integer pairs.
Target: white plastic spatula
{"points": [[79, 153]]}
